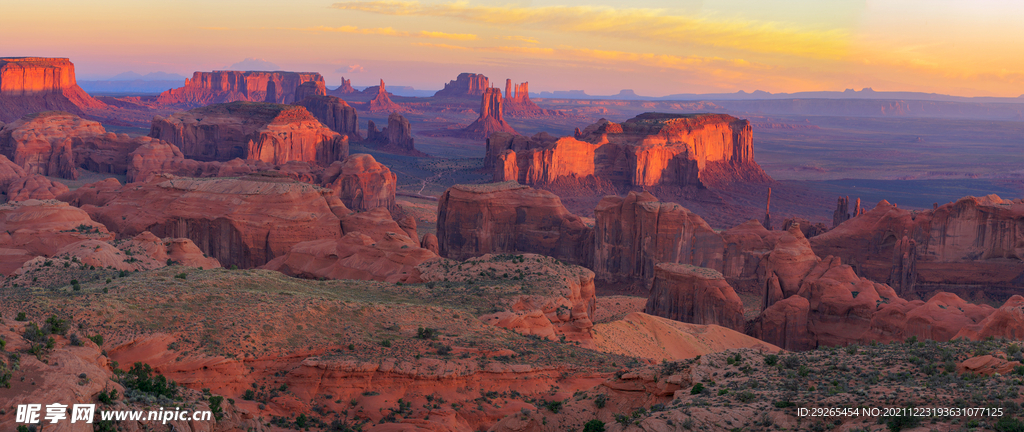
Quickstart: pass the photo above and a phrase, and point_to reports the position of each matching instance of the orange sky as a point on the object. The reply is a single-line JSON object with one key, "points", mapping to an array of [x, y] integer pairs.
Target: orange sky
{"points": [[685, 46]]}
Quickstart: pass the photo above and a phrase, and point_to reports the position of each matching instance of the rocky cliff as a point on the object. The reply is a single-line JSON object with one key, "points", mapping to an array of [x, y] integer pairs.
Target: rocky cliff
{"points": [[334, 113], [243, 221], [648, 150], [33, 84], [205, 88], [492, 118], [362, 183], [507, 217], [56, 144], [271, 133], [466, 85], [694, 295], [973, 241]]}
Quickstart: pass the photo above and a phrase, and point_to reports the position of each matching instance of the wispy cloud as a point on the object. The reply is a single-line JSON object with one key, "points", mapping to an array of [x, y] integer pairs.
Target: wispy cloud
{"points": [[388, 31], [629, 23], [518, 39]]}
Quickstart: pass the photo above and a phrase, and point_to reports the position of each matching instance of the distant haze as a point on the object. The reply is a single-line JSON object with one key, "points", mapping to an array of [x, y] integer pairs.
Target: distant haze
{"points": [[956, 47]]}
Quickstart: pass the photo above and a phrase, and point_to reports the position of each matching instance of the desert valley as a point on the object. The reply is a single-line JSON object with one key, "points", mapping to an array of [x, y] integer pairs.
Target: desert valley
{"points": [[292, 254]]}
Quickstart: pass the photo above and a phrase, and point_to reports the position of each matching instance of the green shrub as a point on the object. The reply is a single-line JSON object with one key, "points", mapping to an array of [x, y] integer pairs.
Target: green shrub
{"points": [[594, 426], [697, 389], [97, 339], [215, 407], [771, 359], [140, 377], [249, 395], [181, 276], [1009, 424], [426, 333], [108, 398]]}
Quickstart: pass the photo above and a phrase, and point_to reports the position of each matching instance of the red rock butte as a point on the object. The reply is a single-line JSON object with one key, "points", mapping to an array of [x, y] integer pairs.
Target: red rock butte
{"points": [[648, 150], [465, 85], [206, 88], [272, 133], [492, 117], [34, 84]]}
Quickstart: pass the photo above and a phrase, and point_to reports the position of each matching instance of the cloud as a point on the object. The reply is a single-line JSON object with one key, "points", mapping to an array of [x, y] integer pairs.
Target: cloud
{"points": [[518, 39], [388, 31], [629, 23], [254, 64], [355, 69]]}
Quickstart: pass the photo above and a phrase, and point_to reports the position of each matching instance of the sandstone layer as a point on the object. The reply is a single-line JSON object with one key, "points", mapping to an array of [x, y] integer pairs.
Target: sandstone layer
{"points": [[34, 84], [648, 150], [973, 241], [362, 183], [507, 217], [466, 85], [271, 133], [244, 222], [205, 88], [694, 295]]}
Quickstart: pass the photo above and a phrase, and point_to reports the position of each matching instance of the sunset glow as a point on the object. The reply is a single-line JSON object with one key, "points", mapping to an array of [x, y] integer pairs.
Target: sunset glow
{"points": [[951, 47]]}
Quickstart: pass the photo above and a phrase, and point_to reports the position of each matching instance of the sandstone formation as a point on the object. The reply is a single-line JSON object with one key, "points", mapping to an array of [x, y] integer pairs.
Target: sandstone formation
{"points": [[768, 211], [491, 119], [635, 233], [560, 304], [344, 89], [429, 242], [244, 222], [809, 228], [271, 133], [362, 183], [382, 101], [396, 137], [205, 88], [696, 295], [517, 102], [160, 157], [812, 301], [969, 242], [392, 258], [40, 228], [309, 89], [334, 113], [648, 150], [34, 84], [42, 143], [632, 336], [34, 187], [1005, 322], [57, 144], [466, 85], [507, 217], [9, 172]]}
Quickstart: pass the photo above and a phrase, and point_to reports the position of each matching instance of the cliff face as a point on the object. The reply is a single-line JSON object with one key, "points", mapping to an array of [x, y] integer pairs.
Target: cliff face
{"points": [[466, 85], [244, 222], [648, 150], [973, 241], [334, 113], [34, 84], [362, 183], [492, 118], [271, 133], [56, 144], [206, 88], [694, 295], [506, 217]]}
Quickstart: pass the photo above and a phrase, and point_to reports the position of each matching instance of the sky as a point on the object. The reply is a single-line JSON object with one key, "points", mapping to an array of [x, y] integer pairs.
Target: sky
{"points": [[656, 48]]}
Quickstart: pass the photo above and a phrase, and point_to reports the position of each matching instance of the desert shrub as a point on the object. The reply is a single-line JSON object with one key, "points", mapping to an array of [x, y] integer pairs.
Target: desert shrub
{"points": [[771, 359], [426, 333], [594, 426], [97, 339], [601, 400], [1009, 424], [21, 317], [108, 398], [140, 377], [697, 389]]}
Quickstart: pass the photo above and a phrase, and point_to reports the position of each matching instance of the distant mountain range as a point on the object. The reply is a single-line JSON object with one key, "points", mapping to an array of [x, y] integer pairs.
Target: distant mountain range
{"points": [[866, 93]]}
